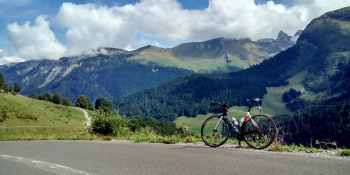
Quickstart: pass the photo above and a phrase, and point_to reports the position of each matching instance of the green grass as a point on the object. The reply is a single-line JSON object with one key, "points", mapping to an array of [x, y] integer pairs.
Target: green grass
{"points": [[23, 111], [30, 119]]}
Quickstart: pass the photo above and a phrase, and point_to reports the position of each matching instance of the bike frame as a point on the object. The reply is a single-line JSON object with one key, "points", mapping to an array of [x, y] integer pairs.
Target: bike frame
{"points": [[245, 120]]}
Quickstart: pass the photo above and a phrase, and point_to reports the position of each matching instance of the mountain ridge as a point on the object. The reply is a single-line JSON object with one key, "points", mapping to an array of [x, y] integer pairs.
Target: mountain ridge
{"points": [[113, 73]]}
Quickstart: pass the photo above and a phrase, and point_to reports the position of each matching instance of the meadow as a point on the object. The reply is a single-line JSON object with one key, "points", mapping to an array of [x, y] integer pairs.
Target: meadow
{"points": [[24, 118]]}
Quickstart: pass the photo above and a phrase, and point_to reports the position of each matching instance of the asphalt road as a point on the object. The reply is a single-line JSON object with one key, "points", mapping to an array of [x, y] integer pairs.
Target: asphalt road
{"points": [[122, 157]]}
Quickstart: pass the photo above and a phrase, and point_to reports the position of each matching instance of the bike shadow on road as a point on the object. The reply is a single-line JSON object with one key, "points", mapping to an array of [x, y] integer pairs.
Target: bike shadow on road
{"points": [[221, 147]]}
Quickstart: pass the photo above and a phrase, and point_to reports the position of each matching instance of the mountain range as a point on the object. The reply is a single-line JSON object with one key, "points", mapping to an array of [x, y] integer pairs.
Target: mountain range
{"points": [[319, 60], [113, 73], [316, 67]]}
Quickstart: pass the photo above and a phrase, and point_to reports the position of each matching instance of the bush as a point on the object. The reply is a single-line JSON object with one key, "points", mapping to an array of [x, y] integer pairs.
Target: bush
{"points": [[136, 123], [13, 92], [111, 124], [345, 152]]}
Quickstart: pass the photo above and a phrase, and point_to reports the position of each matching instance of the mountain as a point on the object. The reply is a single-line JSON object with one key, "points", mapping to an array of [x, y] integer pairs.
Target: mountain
{"points": [[317, 66], [322, 60], [217, 55], [113, 73], [109, 76]]}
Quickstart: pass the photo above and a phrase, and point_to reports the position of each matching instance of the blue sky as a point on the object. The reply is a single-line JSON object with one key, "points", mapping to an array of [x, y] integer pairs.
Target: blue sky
{"points": [[38, 29]]}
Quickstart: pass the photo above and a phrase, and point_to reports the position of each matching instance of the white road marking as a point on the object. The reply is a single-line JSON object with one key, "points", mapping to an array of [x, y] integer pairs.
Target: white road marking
{"points": [[51, 167]]}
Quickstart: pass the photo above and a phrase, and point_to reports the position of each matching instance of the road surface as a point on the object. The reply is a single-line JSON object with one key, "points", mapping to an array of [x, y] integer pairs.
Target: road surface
{"points": [[124, 157]]}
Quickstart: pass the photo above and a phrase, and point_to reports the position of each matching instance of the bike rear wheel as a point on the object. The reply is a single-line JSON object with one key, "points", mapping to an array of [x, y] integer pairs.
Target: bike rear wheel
{"points": [[212, 137], [262, 137]]}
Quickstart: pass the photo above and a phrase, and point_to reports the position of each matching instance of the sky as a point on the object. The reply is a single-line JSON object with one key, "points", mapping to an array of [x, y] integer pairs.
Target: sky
{"points": [[51, 29]]}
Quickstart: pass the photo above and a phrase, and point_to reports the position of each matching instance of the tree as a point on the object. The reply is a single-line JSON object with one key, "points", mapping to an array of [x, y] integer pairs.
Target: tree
{"points": [[57, 99], [2, 81], [84, 102], [6, 88], [104, 104], [67, 102], [33, 96], [16, 87], [46, 97], [10, 88]]}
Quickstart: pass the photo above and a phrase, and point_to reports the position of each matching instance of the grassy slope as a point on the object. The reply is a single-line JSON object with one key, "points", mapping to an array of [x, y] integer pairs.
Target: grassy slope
{"points": [[51, 118], [272, 104], [166, 58]]}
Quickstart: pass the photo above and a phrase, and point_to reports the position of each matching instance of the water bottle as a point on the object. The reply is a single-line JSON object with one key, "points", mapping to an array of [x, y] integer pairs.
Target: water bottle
{"points": [[234, 121], [241, 122]]}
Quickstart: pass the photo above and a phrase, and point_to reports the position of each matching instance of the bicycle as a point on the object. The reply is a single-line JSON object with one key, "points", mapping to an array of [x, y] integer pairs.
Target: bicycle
{"points": [[257, 131]]}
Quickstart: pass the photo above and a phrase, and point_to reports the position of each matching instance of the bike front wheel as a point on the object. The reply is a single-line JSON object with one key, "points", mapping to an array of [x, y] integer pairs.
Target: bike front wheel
{"points": [[215, 132], [260, 132]]}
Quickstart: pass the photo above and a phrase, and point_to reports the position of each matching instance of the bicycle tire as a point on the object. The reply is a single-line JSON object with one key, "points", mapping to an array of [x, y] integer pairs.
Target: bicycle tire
{"points": [[214, 138], [268, 132]]}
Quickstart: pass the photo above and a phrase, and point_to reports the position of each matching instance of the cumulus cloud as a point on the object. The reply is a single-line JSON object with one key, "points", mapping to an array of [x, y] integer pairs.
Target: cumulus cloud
{"points": [[89, 26], [35, 42]]}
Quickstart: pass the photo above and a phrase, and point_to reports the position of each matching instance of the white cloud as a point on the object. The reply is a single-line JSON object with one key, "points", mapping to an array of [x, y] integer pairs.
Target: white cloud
{"points": [[90, 26], [35, 42], [7, 57]]}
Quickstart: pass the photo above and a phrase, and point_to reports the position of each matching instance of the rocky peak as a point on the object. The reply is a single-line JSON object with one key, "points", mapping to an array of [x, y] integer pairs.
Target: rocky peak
{"points": [[282, 36]]}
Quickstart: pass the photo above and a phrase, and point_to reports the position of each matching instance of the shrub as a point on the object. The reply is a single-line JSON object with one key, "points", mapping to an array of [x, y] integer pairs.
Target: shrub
{"points": [[13, 92], [109, 124], [345, 152]]}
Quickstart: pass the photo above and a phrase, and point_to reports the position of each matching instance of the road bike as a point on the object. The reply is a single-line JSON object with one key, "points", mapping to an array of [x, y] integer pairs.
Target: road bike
{"points": [[257, 131]]}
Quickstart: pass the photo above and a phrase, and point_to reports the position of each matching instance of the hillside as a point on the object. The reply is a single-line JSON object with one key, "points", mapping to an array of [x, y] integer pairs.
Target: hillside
{"points": [[25, 118], [19, 111], [325, 59], [113, 73]]}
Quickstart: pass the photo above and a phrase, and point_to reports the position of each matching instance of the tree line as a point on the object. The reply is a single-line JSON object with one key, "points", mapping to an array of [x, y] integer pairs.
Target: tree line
{"points": [[13, 89]]}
